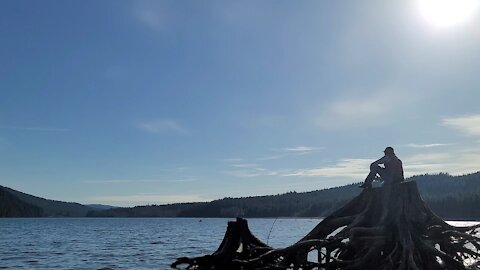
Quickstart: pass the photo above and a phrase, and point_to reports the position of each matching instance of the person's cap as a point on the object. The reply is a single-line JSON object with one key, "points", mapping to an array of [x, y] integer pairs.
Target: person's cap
{"points": [[389, 149]]}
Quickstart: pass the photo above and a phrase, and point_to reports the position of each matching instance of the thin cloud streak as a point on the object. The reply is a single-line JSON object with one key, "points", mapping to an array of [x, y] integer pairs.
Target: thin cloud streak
{"points": [[273, 157], [252, 172], [162, 126], [432, 145], [246, 165], [232, 160], [52, 129], [469, 124], [427, 158], [284, 152], [291, 151], [126, 181], [182, 180], [349, 168], [302, 150]]}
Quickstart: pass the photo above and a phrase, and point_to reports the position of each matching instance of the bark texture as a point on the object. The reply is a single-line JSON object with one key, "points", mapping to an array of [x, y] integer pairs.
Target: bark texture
{"points": [[382, 228]]}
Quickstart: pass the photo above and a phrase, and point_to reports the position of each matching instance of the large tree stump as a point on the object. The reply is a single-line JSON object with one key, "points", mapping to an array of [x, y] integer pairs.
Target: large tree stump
{"points": [[382, 228]]}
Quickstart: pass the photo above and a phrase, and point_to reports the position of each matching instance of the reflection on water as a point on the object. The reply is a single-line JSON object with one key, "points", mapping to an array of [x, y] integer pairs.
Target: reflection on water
{"points": [[133, 243]]}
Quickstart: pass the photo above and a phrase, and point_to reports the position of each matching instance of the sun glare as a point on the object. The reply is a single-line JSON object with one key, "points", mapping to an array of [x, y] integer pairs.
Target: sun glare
{"points": [[447, 13]]}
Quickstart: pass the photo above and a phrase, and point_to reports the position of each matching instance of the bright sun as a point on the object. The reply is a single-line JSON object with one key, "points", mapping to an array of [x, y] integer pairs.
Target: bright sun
{"points": [[447, 13]]}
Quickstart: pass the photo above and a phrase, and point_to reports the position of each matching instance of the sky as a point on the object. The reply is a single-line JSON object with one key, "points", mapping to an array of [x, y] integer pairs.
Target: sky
{"points": [[152, 102]]}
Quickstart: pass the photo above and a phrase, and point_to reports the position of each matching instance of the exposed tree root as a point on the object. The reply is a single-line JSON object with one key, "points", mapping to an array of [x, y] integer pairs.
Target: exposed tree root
{"points": [[382, 228]]}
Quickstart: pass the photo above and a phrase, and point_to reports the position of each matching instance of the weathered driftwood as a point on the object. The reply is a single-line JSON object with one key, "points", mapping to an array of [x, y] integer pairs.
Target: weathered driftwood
{"points": [[382, 228]]}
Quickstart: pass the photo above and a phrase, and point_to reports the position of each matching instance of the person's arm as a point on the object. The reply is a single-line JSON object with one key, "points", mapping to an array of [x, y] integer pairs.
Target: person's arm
{"points": [[380, 161]]}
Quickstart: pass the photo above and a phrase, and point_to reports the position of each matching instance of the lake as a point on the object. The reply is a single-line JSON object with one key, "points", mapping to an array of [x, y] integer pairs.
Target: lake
{"points": [[127, 243]]}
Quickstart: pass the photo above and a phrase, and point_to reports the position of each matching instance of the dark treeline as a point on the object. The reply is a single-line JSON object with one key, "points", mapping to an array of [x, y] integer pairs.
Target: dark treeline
{"points": [[11, 206], [451, 197], [41, 207], [291, 204]]}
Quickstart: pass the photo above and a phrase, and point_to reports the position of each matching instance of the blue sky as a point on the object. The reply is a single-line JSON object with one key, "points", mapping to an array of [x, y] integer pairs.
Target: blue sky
{"points": [[151, 102]]}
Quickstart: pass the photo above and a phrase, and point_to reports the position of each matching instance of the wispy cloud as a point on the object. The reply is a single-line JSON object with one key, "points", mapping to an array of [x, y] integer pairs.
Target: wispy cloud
{"points": [[469, 124], [271, 157], [244, 165], [348, 168], [431, 145], [46, 129], [275, 154], [233, 160], [182, 180], [439, 162], [427, 158], [359, 112], [152, 14], [142, 199], [162, 126], [290, 151], [243, 169], [249, 172], [175, 169], [127, 181], [301, 150]]}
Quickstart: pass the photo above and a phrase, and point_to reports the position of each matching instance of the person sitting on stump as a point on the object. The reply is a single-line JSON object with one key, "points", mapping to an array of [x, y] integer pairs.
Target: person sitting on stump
{"points": [[391, 173]]}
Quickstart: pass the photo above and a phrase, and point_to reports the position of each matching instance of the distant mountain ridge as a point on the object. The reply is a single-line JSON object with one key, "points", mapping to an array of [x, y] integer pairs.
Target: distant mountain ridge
{"points": [[452, 197]]}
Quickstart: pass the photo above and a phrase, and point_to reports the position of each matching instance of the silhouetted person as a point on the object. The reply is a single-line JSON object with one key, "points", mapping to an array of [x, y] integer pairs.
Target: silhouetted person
{"points": [[391, 173]]}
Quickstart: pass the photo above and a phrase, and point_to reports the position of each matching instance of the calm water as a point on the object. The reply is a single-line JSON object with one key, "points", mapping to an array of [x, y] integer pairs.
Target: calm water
{"points": [[133, 243]]}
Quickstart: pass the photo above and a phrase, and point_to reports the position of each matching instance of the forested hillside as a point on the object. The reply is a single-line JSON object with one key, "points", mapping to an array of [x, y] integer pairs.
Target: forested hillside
{"points": [[452, 197], [11, 206], [48, 208]]}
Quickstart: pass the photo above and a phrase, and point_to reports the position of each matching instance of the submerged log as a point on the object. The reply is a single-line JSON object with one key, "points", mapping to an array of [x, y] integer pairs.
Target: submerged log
{"points": [[382, 228]]}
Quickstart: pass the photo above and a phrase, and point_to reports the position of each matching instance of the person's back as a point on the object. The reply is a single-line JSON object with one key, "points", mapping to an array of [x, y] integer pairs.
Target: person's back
{"points": [[394, 168]]}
